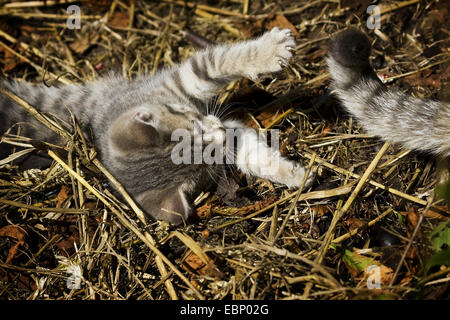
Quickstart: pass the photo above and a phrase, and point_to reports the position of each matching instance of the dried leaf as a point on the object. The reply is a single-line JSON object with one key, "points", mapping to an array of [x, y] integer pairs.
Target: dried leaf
{"points": [[98, 5], [379, 273], [317, 54], [438, 17], [255, 27], [281, 22], [268, 116], [120, 20], [83, 43], [413, 218], [67, 246], [320, 211], [17, 233], [14, 231], [256, 206], [326, 131], [424, 78], [369, 268], [204, 211], [10, 60], [27, 28], [354, 223], [431, 213], [194, 264], [62, 195]]}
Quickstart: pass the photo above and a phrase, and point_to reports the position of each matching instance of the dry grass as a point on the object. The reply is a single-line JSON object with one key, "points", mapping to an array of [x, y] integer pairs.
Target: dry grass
{"points": [[257, 240]]}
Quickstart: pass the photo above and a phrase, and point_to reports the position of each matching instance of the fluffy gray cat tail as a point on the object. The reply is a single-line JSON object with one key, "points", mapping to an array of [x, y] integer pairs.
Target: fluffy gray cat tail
{"points": [[417, 124]]}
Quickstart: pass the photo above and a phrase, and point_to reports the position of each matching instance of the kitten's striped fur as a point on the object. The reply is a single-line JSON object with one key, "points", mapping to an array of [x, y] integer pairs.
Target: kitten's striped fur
{"points": [[132, 121], [417, 124]]}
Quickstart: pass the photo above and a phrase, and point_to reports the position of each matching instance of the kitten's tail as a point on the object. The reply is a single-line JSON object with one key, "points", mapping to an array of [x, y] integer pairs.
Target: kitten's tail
{"points": [[417, 124]]}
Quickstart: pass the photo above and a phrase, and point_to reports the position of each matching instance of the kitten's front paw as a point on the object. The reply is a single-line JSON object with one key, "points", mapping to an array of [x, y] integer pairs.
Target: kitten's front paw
{"points": [[297, 177], [274, 50]]}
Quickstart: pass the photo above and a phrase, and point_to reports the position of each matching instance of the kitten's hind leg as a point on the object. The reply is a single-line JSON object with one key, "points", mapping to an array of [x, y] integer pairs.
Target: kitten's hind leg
{"points": [[207, 71], [253, 156]]}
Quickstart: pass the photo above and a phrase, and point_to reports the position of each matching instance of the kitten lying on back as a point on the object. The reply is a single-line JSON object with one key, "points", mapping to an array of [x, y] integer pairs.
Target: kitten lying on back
{"points": [[132, 122], [417, 124]]}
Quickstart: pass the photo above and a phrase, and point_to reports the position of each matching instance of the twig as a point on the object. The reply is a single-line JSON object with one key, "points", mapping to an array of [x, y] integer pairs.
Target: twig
{"points": [[34, 65], [416, 229], [286, 253], [127, 224], [33, 15], [206, 8], [44, 209], [434, 275], [279, 118], [294, 203], [386, 8], [305, 196], [356, 230], [415, 71], [372, 182], [340, 213], [245, 7], [222, 23], [161, 42], [33, 4]]}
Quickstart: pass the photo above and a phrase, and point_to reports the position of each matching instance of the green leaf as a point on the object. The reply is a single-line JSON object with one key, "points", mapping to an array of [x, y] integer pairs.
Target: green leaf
{"points": [[442, 190], [357, 261], [399, 217], [440, 236], [385, 296], [440, 258]]}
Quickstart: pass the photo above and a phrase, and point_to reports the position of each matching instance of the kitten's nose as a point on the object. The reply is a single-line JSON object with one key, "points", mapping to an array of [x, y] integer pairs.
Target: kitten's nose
{"points": [[213, 130]]}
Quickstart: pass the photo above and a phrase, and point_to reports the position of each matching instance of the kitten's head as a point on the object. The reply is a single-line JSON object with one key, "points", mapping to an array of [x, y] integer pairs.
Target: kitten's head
{"points": [[160, 126], [351, 49], [148, 148]]}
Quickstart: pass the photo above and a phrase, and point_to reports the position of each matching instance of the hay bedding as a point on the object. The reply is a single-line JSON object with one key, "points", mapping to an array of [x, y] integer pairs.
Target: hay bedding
{"points": [[254, 240]]}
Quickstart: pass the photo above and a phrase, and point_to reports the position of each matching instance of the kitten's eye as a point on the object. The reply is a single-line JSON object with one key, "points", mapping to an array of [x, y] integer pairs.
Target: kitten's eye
{"points": [[197, 125]]}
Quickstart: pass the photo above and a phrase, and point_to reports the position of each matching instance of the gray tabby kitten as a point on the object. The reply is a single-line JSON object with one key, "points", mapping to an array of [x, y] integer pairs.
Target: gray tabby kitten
{"points": [[417, 124], [132, 122]]}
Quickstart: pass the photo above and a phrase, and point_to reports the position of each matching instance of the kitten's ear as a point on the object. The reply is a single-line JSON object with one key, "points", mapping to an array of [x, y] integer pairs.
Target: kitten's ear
{"points": [[175, 208], [170, 205], [143, 117], [133, 130]]}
